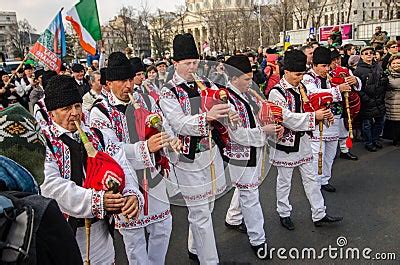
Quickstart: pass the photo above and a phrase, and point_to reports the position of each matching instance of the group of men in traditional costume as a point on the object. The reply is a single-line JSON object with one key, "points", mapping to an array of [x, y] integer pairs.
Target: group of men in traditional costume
{"points": [[202, 142]]}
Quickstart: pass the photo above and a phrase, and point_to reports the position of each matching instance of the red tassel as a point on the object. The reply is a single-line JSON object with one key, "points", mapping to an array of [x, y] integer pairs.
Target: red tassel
{"points": [[349, 143]]}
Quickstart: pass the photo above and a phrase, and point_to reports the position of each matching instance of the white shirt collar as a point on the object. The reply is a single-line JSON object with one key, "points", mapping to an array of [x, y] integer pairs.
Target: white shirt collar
{"points": [[61, 130], [116, 101], [286, 85], [178, 79], [237, 91]]}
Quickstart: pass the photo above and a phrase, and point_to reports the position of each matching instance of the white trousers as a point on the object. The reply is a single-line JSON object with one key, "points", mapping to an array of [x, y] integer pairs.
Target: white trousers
{"points": [[312, 189], [329, 149], [201, 239], [135, 243], [234, 214], [101, 244], [247, 200]]}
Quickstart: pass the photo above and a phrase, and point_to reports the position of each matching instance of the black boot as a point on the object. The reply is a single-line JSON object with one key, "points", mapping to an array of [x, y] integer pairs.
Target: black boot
{"points": [[287, 223], [348, 156], [261, 251], [241, 228], [378, 145], [193, 257], [328, 188], [327, 219], [371, 148]]}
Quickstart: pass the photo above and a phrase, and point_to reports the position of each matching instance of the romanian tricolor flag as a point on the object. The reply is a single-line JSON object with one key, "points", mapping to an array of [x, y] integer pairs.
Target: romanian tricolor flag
{"points": [[84, 18]]}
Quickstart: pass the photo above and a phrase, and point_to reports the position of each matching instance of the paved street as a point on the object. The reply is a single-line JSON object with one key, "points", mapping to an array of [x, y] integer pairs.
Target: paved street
{"points": [[368, 195]]}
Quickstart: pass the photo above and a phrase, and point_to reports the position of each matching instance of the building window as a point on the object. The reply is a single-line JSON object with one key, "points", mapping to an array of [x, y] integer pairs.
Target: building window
{"points": [[197, 7], [228, 2], [398, 14], [372, 14], [380, 14], [326, 19], [247, 2], [372, 3], [363, 4], [8, 18], [363, 15], [332, 19], [238, 3], [342, 18], [355, 12]]}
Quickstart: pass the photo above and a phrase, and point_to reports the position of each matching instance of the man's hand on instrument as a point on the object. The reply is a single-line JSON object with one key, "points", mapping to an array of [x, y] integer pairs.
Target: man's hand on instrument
{"points": [[131, 207], [217, 112], [113, 202], [323, 114], [175, 145], [273, 129], [158, 141], [351, 80], [234, 117], [344, 87]]}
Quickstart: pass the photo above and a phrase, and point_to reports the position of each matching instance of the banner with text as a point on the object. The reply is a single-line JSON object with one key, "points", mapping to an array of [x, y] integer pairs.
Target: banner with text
{"points": [[50, 48]]}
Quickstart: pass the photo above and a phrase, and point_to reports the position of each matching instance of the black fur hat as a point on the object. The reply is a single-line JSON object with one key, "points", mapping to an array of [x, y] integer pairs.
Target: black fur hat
{"points": [[61, 91], [322, 55], [295, 61], [184, 47]]}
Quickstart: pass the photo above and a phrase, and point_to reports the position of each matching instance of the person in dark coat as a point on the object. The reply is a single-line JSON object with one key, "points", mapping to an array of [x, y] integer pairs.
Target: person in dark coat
{"points": [[349, 50], [372, 96], [78, 71]]}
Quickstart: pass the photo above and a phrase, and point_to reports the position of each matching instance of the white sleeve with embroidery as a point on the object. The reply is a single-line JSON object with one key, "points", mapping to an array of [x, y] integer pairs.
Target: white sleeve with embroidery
{"points": [[312, 88], [137, 154], [248, 136], [72, 199], [291, 120], [186, 125]]}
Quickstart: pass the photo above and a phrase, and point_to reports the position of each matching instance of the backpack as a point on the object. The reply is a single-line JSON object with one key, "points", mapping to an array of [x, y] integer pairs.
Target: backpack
{"points": [[16, 230]]}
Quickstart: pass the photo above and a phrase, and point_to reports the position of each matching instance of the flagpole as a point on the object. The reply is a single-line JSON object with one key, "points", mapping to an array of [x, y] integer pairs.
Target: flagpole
{"points": [[16, 71], [61, 56]]}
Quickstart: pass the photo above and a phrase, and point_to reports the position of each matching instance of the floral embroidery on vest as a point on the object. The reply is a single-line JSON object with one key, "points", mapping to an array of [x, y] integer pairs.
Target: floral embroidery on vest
{"points": [[118, 119], [234, 150]]}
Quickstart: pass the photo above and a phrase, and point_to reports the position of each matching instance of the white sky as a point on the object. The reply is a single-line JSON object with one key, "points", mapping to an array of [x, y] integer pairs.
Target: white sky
{"points": [[39, 13]]}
